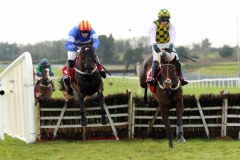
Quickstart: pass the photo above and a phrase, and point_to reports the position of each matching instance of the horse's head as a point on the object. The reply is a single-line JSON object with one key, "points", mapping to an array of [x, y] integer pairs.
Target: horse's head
{"points": [[168, 80], [46, 74], [88, 59]]}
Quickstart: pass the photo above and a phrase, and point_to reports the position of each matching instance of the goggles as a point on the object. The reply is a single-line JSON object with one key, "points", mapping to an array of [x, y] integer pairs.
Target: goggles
{"points": [[85, 32]]}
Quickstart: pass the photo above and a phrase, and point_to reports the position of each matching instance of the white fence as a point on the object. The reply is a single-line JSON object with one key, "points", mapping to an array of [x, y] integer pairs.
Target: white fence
{"points": [[17, 104], [203, 83]]}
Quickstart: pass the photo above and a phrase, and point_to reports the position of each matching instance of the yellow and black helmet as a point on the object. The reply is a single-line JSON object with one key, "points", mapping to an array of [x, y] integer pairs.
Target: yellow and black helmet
{"points": [[164, 14]]}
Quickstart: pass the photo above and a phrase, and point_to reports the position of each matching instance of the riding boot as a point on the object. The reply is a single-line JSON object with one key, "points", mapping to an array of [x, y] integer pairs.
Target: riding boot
{"points": [[67, 78], [100, 69], [151, 80], [35, 88], [180, 73]]}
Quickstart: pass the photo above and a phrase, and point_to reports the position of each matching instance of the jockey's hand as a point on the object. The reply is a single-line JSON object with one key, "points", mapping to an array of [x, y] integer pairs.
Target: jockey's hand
{"points": [[156, 48], [39, 74], [170, 48], [76, 49]]}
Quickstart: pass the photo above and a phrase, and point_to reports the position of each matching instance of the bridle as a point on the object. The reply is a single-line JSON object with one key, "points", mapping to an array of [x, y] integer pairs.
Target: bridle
{"points": [[85, 63], [46, 78], [167, 83]]}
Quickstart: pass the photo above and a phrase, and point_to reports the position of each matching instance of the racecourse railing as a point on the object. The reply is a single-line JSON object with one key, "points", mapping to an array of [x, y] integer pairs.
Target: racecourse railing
{"points": [[202, 83], [17, 104]]}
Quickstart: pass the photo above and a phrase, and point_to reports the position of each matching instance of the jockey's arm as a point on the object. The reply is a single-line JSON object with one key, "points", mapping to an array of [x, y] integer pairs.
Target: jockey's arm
{"points": [[38, 71], [172, 33], [95, 40], [152, 34], [69, 45]]}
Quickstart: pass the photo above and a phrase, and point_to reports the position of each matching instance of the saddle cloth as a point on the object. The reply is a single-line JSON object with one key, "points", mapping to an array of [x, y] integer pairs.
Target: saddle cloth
{"points": [[149, 75], [64, 71]]}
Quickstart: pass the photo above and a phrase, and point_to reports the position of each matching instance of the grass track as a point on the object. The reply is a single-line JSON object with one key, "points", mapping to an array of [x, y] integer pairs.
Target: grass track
{"points": [[137, 149]]}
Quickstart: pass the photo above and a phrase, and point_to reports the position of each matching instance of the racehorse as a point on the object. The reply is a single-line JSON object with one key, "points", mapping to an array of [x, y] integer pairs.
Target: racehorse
{"points": [[44, 89], [86, 81], [168, 93]]}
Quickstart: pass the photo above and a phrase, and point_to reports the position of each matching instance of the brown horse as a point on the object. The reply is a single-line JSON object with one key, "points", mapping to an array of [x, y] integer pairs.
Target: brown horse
{"points": [[44, 88], [168, 93], [87, 81]]}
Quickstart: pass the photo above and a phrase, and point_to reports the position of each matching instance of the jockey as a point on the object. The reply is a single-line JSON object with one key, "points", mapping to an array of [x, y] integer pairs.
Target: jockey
{"points": [[79, 34], [43, 62], [162, 35]]}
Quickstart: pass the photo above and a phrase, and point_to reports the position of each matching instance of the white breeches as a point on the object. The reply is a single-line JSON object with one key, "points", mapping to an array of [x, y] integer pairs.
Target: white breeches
{"points": [[72, 55]]}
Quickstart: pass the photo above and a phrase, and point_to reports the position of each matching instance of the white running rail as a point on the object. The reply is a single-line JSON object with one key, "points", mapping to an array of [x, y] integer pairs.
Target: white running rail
{"points": [[17, 104]]}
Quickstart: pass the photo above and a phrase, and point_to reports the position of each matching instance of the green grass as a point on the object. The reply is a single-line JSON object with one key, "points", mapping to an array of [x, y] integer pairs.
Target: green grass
{"points": [[137, 149]]}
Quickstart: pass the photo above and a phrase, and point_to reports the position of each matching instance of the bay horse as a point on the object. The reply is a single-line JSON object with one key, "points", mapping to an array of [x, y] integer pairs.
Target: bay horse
{"points": [[44, 89], [87, 81], [168, 93]]}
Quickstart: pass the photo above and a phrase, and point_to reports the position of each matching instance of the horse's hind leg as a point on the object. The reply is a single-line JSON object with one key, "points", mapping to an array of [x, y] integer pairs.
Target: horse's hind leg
{"points": [[82, 113], [103, 113]]}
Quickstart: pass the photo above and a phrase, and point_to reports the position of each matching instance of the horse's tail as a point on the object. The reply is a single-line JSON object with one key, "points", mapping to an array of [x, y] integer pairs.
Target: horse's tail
{"points": [[61, 83]]}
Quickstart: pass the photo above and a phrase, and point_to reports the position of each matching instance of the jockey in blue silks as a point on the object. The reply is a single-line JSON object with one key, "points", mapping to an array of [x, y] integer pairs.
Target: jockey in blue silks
{"points": [[78, 35]]}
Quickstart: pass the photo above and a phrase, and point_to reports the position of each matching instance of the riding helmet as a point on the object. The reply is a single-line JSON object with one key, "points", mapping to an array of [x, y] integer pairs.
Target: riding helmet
{"points": [[84, 26], [164, 14], [44, 61]]}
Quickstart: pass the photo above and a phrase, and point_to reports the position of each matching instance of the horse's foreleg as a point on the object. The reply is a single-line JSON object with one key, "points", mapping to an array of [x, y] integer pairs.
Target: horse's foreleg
{"points": [[103, 113], [180, 123], [82, 113], [166, 121]]}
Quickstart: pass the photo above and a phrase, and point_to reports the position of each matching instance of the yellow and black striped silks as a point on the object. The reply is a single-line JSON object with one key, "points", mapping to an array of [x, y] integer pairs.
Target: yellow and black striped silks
{"points": [[162, 34]]}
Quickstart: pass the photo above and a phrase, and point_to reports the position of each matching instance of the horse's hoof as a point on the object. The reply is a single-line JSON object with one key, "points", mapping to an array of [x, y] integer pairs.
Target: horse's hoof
{"points": [[182, 140], [104, 120], [170, 146]]}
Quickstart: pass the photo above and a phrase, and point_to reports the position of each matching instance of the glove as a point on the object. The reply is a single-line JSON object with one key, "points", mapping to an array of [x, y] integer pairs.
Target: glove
{"points": [[156, 48], [76, 49], [51, 74], [170, 48], [39, 74]]}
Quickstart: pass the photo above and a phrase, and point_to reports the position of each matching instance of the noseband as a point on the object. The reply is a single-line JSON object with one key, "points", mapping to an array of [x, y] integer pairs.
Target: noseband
{"points": [[167, 83]]}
